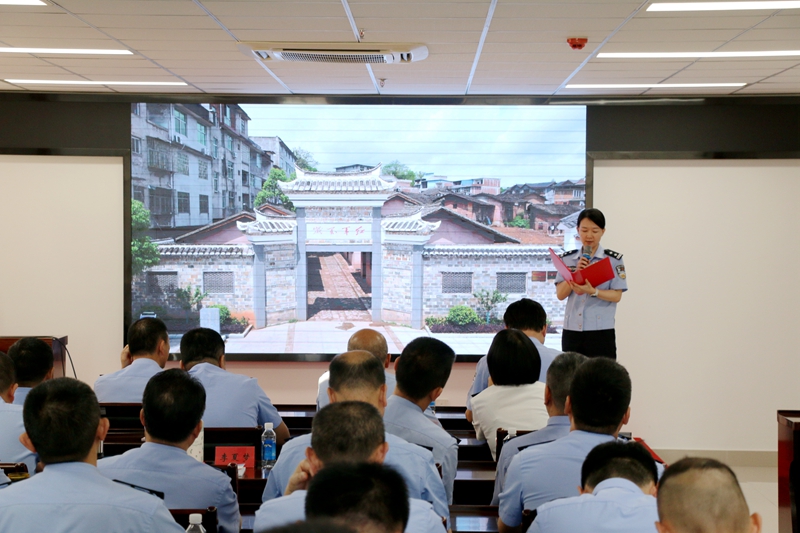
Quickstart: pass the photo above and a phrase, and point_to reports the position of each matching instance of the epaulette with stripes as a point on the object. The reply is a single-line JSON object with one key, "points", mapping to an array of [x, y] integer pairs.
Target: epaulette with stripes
{"points": [[612, 253]]}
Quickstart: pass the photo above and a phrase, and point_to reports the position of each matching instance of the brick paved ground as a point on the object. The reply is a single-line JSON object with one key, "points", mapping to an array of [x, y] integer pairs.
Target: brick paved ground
{"points": [[333, 292]]}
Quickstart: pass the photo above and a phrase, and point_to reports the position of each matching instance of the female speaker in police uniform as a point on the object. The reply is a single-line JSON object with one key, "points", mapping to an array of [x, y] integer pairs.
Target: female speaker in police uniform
{"points": [[589, 317]]}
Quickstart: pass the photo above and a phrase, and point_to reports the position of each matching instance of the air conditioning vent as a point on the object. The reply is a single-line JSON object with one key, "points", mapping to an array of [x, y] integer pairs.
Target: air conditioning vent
{"points": [[176, 139], [348, 53]]}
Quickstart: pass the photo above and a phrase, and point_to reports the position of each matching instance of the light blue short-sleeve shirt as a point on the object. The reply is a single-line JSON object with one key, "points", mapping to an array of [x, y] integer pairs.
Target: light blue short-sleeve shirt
{"points": [[481, 380], [21, 394], [615, 506], [69, 497], [557, 427], [290, 509], [584, 312], [406, 420], [126, 385], [11, 427], [233, 400], [186, 482], [544, 473], [413, 462], [324, 380]]}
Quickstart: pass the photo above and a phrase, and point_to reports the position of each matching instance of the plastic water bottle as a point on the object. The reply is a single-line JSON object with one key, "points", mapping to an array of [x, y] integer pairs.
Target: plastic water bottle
{"points": [[268, 447], [512, 433], [432, 408], [195, 524]]}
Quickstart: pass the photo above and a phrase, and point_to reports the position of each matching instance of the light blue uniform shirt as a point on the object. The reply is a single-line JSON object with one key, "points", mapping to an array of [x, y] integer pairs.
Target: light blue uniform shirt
{"points": [[4, 481], [21, 394], [126, 385], [11, 427], [585, 312], [413, 462], [233, 400], [544, 473], [615, 506], [406, 420], [70, 497], [481, 380], [186, 482], [322, 392], [292, 508], [557, 427]]}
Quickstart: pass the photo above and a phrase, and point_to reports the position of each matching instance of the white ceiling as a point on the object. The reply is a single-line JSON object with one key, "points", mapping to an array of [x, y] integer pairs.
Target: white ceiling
{"points": [[524, 50]]}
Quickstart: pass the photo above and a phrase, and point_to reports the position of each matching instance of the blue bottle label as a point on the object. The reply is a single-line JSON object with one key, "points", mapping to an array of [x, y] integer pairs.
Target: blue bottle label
{"points": [[268, 448]]}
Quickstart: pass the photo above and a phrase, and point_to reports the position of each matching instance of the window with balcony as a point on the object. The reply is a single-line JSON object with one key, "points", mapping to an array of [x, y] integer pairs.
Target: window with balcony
{"points": [[160, 201], [138, 193], [158, 155]]}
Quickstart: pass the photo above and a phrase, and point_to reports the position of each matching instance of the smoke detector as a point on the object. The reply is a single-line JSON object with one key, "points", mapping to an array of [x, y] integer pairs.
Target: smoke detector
{"points": [[577, 43], [387, 53]]}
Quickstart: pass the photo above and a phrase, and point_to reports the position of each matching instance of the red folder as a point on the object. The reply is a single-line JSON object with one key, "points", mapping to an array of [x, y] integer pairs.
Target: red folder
{"points": [[596, 273]]}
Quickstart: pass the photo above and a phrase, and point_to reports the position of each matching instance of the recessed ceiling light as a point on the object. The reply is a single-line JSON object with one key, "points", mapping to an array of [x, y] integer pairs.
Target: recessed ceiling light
{"points": [[650, 85], [98, 51], [723, 6], [22, 3], [82, 82], [693, 55]]}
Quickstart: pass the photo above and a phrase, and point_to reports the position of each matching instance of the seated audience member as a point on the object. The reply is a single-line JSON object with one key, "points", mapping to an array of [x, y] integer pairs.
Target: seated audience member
{"points": [[368, 497], [618, 485], [342, 432], [172, 409], [598, 406], [317, 526], [11, 424], [697, 495], [33, 364], [530, 318], [422, 372], [370, 341], [516, 397], [359, 376], [232, 400], [559, 378], [145, 355], [63, 425]]}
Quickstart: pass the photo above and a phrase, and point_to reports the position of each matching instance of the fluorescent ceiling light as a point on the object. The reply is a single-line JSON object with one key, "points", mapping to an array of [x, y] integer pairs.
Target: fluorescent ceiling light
{"points": [[22, 3], [96, 51], [692, 55], [650, 85], [82, 82], [723, 6]]}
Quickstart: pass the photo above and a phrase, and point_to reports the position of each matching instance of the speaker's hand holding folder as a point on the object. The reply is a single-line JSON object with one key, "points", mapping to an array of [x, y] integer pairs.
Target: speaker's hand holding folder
{"points": [[596, 273]]}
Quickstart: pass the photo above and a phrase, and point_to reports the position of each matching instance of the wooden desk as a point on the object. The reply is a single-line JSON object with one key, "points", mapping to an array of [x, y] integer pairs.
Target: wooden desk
{"points": [[474, 483], [788, 450], [251, 487], [59, 351], [473, 518]]}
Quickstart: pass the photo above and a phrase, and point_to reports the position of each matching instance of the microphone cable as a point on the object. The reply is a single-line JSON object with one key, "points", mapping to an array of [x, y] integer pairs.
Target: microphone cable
{"points": [[69, 355]]}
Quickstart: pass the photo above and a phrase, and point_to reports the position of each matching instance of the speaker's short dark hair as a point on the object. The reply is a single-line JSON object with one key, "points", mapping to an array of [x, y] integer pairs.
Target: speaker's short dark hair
{"points": [[201, 344], [365, 373], [61, 418], [513, 359], [144, 335], [629, 461], [313, 526], [7, 375], [347, 431], [173, 404], [600, 395], [33, 359], [525, 314], [424, 365], [361, 492], [560, 374]]}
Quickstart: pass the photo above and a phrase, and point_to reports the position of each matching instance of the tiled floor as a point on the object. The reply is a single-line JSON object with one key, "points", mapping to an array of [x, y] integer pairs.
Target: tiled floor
{"points": [[760, 488]]}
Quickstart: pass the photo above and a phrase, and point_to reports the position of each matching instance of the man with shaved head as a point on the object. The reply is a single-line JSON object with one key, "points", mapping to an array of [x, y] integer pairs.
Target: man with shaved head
{"points": [[370, 341], [359, 376], [698, 495]]}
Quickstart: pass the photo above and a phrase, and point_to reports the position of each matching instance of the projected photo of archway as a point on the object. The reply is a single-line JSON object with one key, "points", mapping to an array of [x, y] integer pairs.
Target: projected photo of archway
{"points": [[288, 227]]}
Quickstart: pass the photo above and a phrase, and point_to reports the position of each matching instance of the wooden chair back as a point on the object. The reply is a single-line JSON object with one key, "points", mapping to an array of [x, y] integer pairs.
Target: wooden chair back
{"points": [[501, 437], [528, 517], [232, 471], [122, 416], [209, 522], [15, 471]]}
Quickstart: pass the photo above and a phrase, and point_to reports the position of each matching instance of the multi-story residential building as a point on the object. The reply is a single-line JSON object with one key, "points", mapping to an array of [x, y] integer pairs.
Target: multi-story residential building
{"points": [[468, 187], [193, 163], [282, 156]]}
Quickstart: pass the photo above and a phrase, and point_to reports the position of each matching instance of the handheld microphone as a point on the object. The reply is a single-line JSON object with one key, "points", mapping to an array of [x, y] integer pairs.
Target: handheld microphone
{"points": [[587, 252]]}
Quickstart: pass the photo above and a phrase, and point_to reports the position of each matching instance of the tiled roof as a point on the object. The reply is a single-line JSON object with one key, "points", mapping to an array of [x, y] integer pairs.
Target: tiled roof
{"points": [[556, 209], [480, 250], [213, 250], [529, 236], [268, 224], [570, 221], [410, 225], [367, 181], [210, 227]]}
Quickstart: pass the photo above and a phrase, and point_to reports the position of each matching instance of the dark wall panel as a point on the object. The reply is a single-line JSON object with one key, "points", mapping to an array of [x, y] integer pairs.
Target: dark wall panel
{"points": [[735, 127]]}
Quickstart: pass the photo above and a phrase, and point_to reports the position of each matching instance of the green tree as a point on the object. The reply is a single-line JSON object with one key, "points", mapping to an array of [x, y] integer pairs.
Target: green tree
{"points": [[520, 222], [400, 171], [305, 160], [189, 299], [271, 192], [487, 301], [144, 253]]}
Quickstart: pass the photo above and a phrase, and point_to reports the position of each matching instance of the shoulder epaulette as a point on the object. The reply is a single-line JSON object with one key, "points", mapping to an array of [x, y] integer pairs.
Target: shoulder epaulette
{"points": [[565, 254], [535, 444], [612, 253]]}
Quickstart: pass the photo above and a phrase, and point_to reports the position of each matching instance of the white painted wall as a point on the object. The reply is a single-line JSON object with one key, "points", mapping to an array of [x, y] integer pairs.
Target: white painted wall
{"points": [[708, 326]]}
